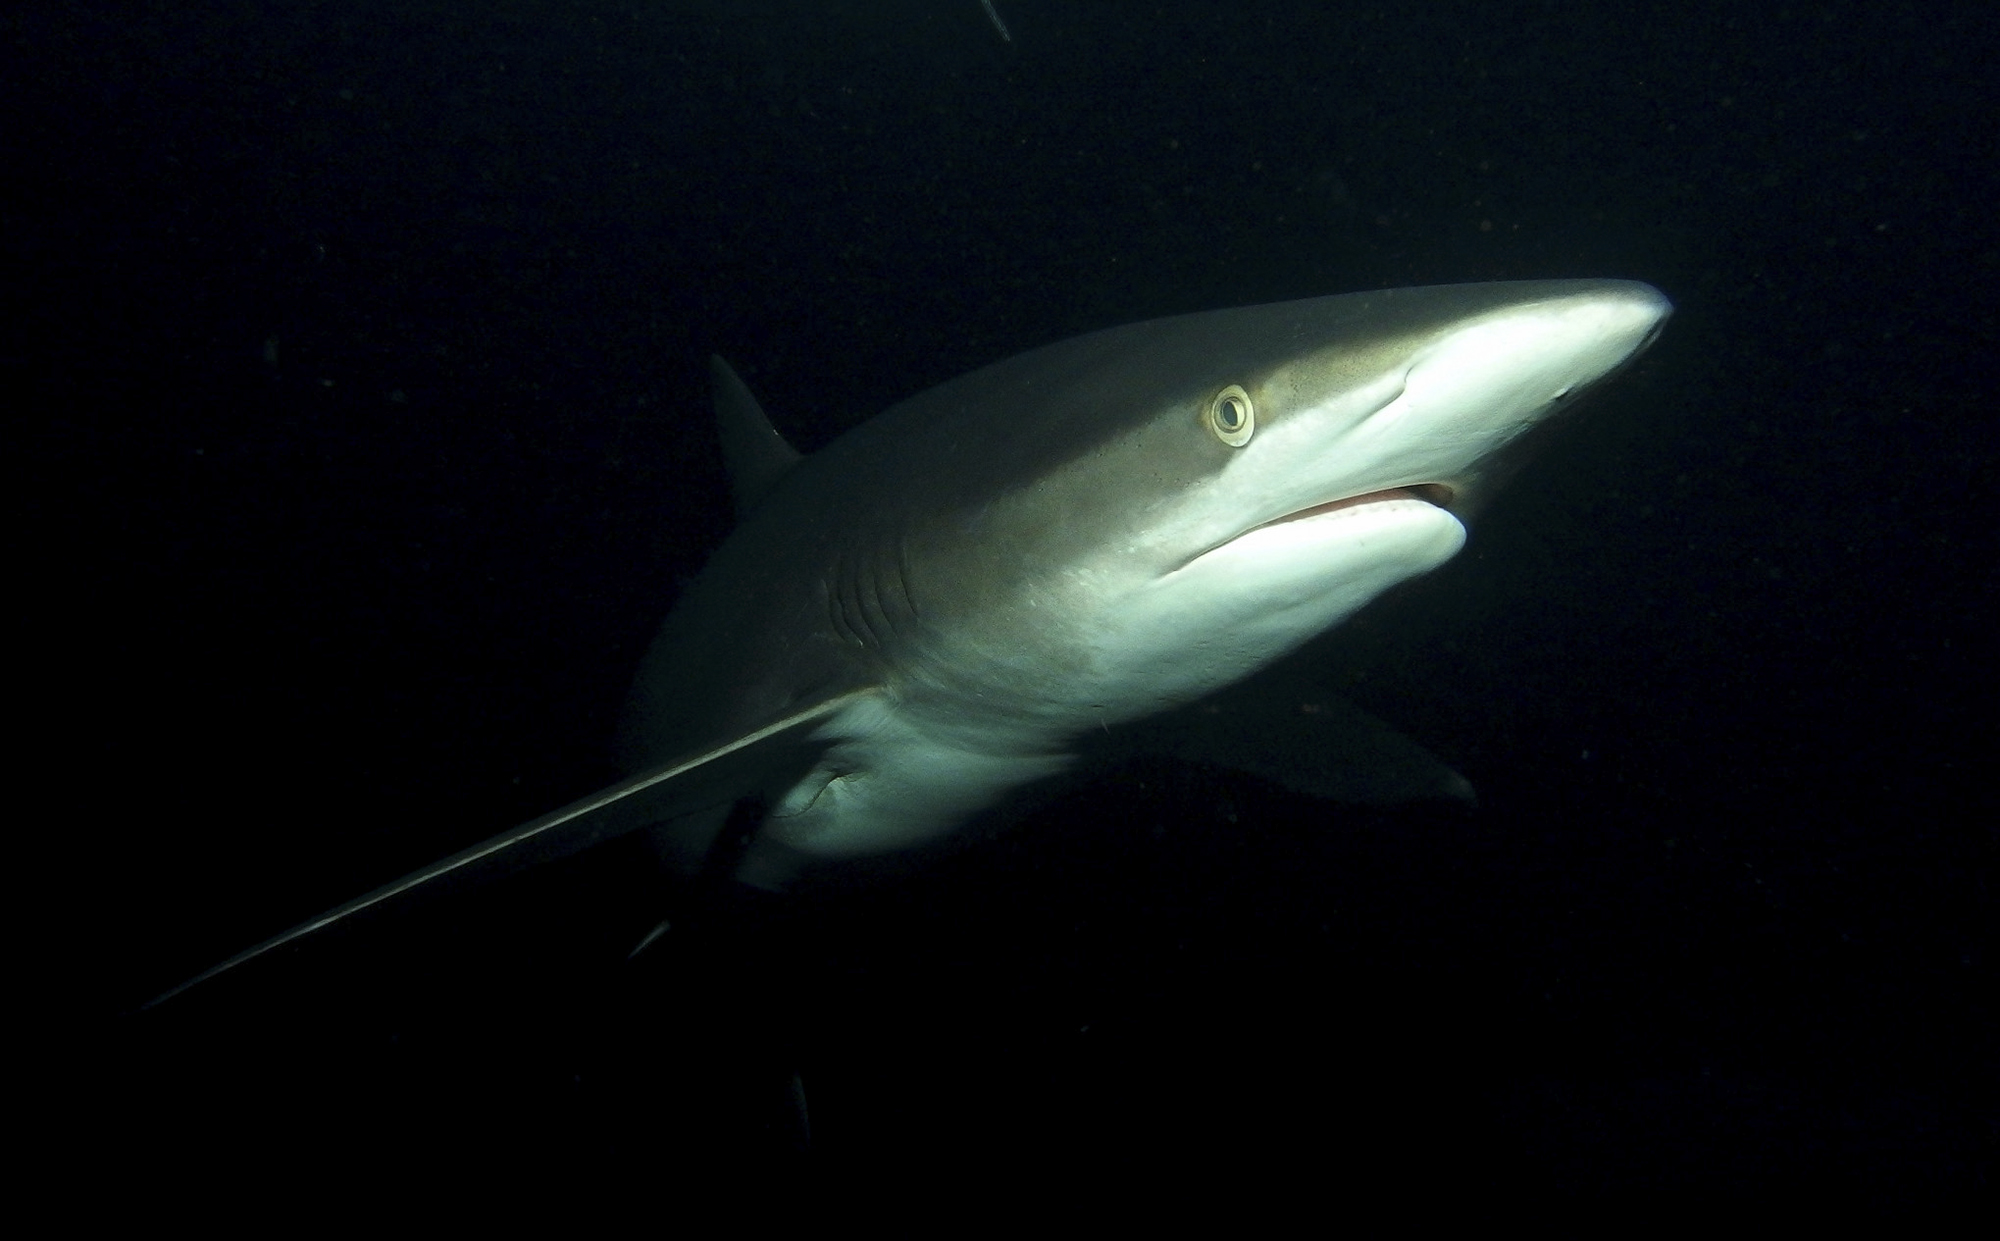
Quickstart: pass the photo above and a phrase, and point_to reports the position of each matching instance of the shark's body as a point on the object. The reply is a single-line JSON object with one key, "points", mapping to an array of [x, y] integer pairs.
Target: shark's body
{"points": [[927, 616]]}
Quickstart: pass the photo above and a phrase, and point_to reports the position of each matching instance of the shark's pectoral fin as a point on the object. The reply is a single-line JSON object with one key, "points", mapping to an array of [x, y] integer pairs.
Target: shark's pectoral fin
{"points": [[682, 788], [1312, 743]]}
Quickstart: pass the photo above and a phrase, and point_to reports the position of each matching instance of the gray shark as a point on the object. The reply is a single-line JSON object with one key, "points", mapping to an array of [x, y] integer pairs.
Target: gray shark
{"points": [[942, 608]]}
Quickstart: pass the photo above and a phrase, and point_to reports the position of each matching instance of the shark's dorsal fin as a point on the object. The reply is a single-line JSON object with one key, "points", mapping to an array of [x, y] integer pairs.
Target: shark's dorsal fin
{"points": [[778, 752], [755, 454]]}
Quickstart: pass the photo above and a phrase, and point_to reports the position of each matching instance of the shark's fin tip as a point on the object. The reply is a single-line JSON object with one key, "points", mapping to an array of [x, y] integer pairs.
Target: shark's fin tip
{"points": [[756, 455]]}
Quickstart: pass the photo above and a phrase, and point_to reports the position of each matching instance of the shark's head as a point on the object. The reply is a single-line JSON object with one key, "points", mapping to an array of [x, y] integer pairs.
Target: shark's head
{"points": [[1162, 509]]}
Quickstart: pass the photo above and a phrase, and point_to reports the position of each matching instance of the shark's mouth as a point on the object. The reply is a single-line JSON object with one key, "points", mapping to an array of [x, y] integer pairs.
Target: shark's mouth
{"points": [[1438, 495], [1430, 493]]}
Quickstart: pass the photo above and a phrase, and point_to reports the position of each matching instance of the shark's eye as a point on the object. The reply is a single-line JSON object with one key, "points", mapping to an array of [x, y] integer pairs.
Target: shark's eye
{"points": [[1232, 417]]}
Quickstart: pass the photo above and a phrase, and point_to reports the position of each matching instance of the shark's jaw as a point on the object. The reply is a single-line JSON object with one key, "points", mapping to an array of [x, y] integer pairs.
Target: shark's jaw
{"points": [[1437, 495]]}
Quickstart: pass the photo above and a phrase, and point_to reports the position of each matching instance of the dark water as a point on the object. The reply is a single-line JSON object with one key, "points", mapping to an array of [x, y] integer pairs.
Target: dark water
{"points": [[357, 352]]}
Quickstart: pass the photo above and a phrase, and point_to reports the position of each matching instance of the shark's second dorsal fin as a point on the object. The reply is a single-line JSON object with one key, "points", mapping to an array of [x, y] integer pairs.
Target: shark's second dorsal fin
{"points": [[756, 455]]}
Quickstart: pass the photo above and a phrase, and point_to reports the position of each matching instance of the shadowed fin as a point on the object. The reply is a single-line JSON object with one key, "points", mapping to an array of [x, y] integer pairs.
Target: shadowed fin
{"points": [[1312, 743], [775, 754], [755, 454]]}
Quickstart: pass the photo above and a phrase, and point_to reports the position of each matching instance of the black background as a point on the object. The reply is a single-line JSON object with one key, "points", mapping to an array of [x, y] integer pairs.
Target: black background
{"points": [[356, 353]]}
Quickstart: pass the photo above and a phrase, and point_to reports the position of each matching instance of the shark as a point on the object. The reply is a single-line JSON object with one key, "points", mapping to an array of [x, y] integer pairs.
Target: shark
{"points": [[948, 606]]}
